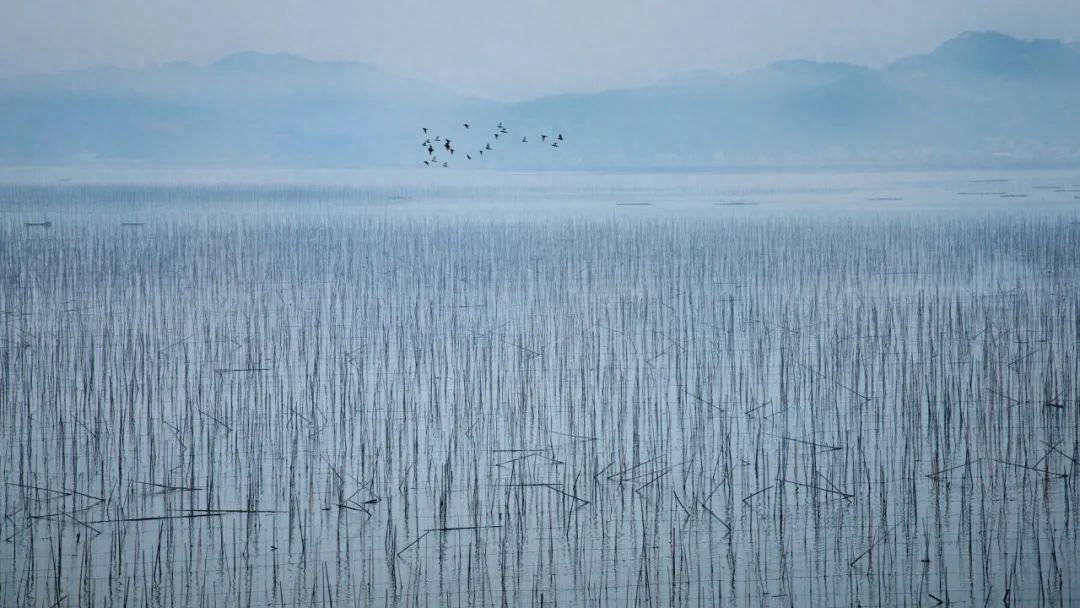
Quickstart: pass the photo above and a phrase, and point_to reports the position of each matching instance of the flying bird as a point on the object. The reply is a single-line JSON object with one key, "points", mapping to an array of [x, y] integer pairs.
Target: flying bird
{"points": [[447, 144]]}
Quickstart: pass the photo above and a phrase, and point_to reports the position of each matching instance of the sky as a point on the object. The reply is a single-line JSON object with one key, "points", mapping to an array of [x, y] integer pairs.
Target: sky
{"points": [[510, 49]]}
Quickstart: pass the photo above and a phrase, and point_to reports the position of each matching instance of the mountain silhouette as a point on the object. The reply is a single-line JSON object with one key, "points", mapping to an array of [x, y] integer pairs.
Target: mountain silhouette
{"points": [[980, 54], [980, 99]]}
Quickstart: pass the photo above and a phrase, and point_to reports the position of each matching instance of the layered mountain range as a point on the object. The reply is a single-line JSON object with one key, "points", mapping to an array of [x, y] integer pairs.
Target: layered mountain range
{"points": [[980, 99]]}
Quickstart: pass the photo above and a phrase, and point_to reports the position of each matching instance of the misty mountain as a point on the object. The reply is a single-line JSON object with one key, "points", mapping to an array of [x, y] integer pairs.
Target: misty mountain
{"points": [[245, 109], [978, 99], [987, 54]]}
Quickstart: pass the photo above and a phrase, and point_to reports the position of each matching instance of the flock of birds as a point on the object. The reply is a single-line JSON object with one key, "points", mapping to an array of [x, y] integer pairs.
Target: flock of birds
{"points": [[437, 144]]}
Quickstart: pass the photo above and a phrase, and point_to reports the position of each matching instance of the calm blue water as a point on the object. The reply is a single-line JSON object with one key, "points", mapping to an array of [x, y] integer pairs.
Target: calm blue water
{"points": [[439, 388]]}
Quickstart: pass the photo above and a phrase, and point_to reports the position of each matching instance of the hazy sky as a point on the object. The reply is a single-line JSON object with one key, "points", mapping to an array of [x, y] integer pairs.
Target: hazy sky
{"points": [[510, 48]]}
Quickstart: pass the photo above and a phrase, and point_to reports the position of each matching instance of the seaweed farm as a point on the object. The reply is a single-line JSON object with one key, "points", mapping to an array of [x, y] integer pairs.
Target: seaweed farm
{"points": [[663, 394]]}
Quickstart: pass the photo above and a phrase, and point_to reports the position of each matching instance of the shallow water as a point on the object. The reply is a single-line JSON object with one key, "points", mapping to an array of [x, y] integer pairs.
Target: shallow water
{"points": [[427, 388]]}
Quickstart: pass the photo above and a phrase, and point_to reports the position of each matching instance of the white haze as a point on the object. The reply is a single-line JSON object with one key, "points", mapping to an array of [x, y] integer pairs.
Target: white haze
{"points": [[510, 50]]}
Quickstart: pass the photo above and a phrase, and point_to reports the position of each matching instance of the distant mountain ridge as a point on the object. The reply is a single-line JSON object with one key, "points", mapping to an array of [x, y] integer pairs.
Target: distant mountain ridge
{"points": [[981, 98], [991, 53], [246, 109]]}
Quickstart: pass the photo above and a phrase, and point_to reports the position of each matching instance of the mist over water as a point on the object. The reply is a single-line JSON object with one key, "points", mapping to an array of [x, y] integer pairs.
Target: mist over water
{"points": [[453, 388], [977, 99]]}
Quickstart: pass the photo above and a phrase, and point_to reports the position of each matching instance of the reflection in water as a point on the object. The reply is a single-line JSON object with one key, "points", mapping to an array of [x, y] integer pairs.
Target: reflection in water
{"points": [[319, 395]]}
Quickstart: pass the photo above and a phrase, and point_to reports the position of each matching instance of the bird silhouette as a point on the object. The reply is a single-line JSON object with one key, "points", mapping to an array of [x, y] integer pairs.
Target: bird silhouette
{"points": [[446, 144]]}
